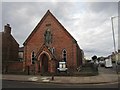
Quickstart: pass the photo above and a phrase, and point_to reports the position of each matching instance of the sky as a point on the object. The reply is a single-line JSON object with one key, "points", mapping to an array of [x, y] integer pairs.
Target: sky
{"points": [[88, 22]]}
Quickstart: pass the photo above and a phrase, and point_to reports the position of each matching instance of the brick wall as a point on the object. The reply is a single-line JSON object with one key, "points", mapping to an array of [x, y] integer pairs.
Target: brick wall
{"points": [[9, 47], [60, 40], [15, 66]]}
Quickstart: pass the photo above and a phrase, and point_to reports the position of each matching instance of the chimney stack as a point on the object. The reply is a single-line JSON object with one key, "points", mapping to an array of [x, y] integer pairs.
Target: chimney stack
{"points": [[7, 29]]}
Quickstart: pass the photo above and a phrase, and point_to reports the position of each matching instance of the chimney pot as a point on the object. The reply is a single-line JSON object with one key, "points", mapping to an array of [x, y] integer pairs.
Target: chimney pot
{"points": [[7, 29]]}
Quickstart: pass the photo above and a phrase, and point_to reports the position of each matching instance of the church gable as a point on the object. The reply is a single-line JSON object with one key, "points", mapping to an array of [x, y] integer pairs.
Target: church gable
{"points": [[51, 43], [49, 22]]}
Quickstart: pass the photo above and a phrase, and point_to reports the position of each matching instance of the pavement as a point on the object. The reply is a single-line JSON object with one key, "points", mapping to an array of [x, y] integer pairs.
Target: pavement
{"points": [[101, 78]]}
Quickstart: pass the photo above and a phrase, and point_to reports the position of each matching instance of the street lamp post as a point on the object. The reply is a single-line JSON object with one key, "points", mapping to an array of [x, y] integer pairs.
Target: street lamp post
{"points": [[113, 34], [114, 39]]}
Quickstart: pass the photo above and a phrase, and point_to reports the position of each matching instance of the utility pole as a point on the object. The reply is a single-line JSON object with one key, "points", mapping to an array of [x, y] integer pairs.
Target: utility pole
{"points": [[114, 39], [113, 33]]}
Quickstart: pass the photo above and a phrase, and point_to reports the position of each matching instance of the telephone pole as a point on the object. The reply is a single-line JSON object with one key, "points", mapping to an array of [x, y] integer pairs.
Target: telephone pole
{"points": [[113, 32]]}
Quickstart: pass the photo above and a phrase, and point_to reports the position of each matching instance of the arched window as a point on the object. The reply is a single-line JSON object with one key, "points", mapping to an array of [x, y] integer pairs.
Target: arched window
{"points": [[48, 36], [64, 55], [32, 57]]}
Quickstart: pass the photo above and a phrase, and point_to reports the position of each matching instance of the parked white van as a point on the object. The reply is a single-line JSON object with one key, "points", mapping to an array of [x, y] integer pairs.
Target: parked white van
{"points": [[108, 62]]}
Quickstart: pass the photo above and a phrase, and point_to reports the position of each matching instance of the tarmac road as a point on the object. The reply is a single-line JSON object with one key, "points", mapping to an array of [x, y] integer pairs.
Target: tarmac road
{"points": [[107, 70], [19, 84]]}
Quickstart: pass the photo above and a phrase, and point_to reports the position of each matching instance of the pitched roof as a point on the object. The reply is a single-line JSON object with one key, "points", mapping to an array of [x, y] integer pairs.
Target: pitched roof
{"points": [[5, 35], [39, 24]]}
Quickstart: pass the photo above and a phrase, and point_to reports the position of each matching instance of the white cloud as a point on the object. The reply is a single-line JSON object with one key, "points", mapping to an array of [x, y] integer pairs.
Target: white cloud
{"points": [[60, 1], [89, 23]]}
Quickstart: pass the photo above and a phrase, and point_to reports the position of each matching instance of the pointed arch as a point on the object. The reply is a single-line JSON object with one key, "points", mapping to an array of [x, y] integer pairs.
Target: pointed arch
{"points": [[44, 52], [64, 55]]}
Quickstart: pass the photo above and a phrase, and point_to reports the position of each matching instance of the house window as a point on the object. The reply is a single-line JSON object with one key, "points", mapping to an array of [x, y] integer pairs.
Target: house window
{"points": [[64, 55]]}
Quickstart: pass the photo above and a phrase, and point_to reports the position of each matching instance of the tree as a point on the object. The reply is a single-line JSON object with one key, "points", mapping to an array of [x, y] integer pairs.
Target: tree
{"points": [[94, 58]]}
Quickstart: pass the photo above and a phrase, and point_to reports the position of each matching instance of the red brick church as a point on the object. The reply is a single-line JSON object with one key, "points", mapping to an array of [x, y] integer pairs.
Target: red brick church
{"points": [[50, 43]]}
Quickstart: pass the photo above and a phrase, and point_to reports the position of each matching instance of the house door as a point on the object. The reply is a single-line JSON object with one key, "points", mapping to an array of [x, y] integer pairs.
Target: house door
{"points": [[44, 63]]}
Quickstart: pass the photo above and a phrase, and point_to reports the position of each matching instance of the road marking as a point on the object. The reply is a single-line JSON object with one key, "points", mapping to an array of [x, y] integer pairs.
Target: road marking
{"points": [[45, 80], [33, 79]]}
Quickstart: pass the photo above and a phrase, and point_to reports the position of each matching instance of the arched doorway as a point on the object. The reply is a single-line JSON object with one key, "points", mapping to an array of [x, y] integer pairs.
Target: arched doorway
{"points": [[44, 63]]}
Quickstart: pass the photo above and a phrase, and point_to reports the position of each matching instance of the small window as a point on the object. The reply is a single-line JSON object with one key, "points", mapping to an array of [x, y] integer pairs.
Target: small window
{"points": [[64, 55], [53, 50], [48, 25]]}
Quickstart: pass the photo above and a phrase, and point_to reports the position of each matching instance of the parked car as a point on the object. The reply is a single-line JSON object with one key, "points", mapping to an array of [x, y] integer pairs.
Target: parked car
{"points": [[118, 66], [118, 62], [108, 63], [102, 63]]}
